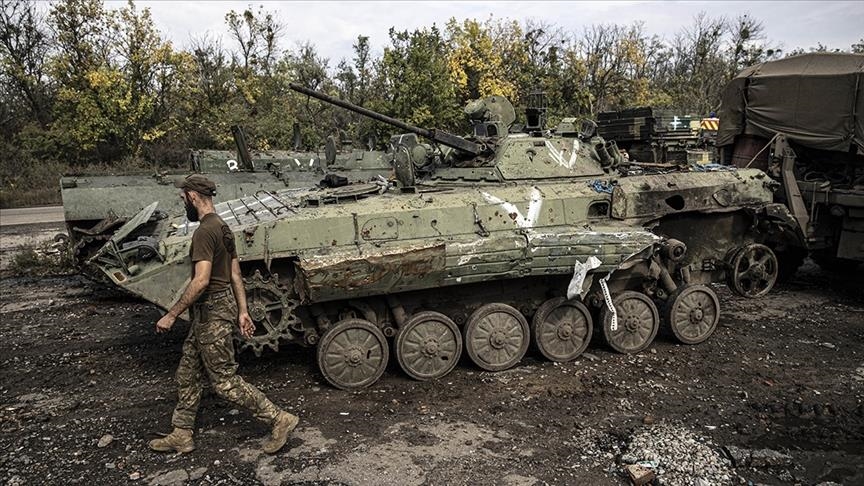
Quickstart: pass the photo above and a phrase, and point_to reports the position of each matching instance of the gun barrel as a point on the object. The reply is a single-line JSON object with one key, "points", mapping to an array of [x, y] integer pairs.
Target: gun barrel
{"points": [[439, 136]]}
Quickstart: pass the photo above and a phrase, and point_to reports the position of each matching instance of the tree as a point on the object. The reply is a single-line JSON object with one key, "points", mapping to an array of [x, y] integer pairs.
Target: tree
{"points": [[747, 45], [212, 65], [476, 58], [575, 97], [353, 78], [257, 35], [414, 80], [642, 60], [148, 68], [116, 80], [538, 59], [24, 48], [598, 47], [80, 69], [354, 82], [79, 28], [307, 68], [698, 71]]}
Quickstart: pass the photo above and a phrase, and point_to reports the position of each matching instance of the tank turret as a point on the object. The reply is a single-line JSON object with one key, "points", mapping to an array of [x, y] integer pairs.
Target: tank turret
{"points": [[510, 152], [491, 116], [439, 136]]}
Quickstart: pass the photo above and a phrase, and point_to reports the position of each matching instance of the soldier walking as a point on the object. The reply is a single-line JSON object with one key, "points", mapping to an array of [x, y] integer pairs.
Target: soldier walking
{"points": [[209, 348]]}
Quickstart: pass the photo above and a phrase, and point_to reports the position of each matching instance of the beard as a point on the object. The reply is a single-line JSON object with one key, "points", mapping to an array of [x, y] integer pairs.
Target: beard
{"points": [[191, 212]]}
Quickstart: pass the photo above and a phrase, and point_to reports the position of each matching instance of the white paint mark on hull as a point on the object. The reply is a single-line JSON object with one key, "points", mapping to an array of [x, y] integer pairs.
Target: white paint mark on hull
{"points": [[558, 155], [534, 207]]}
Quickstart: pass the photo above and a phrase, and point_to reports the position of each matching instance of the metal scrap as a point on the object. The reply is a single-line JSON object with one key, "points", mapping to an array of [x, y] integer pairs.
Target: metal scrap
{"points": [[577, 287]]}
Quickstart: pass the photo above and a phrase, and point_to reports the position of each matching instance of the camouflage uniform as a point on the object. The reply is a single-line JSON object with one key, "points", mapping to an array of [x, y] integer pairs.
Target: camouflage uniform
{"points": [[210, 348]]}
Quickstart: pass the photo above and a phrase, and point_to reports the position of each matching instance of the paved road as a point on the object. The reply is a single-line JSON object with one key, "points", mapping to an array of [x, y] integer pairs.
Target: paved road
{"points": [[45, 214]]}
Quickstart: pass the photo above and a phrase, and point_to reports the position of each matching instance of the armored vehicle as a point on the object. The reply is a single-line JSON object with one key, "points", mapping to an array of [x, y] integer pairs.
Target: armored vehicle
{"points": [[800, 120], [652, 135], [95, 206], [486, 244]]}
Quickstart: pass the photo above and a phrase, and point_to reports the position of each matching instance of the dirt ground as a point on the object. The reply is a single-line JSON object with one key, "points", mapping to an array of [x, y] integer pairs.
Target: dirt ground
{"points": [[782, 380], [14, 238]]}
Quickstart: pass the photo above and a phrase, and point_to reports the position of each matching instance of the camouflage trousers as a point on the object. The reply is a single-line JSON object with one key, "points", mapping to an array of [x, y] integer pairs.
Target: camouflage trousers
{"points": [[209, 348]]}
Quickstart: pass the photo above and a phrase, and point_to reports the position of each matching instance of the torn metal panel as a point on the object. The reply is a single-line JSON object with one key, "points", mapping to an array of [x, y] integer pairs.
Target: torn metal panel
{"points": [[142, 217], [375, 273], [563, 249], [576, 288], [646, 199], [493, 248]]}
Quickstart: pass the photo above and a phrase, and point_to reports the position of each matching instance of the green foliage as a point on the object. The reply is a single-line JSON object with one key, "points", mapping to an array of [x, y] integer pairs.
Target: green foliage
{"points": [[85, 87], [28, 176], [355, 81], [414, 77], [477, 57], [48, 258]]}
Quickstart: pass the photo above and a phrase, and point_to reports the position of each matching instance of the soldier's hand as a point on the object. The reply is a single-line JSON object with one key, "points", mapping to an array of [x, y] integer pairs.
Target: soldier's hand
{"points": [[247, 327], [164, 324]]}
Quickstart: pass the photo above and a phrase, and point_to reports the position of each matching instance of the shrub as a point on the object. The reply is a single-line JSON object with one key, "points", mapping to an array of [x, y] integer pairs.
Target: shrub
{"points": [[48, 258]]}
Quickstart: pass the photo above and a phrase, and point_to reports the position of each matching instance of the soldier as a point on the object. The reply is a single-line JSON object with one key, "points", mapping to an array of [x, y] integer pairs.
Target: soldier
{"points": [[209, 348]]}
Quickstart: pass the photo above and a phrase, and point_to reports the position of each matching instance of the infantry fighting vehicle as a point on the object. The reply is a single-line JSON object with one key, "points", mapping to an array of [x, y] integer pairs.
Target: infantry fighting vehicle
{"points": [[484, 243], [801, 120], [95, 206]]}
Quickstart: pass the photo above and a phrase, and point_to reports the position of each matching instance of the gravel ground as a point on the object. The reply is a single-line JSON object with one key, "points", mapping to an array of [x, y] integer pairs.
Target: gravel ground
{"points": [[774, 397]]}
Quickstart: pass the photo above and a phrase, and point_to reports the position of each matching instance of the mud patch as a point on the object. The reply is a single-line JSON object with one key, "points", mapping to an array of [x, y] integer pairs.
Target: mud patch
{"points": [[781, 373], [408, 452]]}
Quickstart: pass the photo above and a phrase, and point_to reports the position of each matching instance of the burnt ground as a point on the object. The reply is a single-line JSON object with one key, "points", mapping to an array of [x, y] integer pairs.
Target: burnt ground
{"points": [[785, 373]]}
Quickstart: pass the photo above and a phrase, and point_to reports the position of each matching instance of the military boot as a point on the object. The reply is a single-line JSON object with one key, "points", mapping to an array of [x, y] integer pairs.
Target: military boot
{"points": [[282, 426], [180, 440]]}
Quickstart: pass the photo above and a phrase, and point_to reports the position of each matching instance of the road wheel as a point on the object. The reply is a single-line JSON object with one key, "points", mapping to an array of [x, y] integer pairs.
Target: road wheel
{"points": [[638, 322], [496, 337], [353, 354], [753, 271], [428, 346], [692, 313], [561, 329]]}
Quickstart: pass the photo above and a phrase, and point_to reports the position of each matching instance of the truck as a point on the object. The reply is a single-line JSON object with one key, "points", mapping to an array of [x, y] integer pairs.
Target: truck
{"points": [[801, 120]]}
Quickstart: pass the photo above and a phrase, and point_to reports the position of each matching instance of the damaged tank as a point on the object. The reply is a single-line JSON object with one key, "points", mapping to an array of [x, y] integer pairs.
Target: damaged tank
{"points": [[483, 244], [96, 206]]}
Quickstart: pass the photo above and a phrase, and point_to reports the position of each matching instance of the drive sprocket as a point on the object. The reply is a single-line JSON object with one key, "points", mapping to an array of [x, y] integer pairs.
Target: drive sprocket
{"points": [[272, 311]]}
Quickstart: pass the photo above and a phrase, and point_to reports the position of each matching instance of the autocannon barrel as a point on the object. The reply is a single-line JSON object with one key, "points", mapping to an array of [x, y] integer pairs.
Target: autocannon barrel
{"points": [[440, 136]]}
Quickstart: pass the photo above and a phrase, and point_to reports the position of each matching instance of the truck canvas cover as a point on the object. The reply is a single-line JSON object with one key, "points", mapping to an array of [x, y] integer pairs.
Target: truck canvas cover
{"points": [[816, 100]]}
